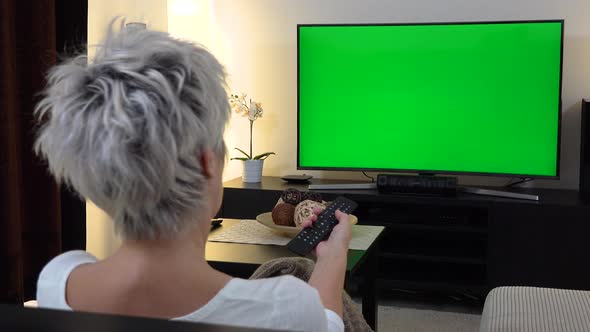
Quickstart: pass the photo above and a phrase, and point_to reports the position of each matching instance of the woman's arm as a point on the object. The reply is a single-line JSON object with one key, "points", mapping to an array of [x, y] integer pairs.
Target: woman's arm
{"points": [[330, 268]]}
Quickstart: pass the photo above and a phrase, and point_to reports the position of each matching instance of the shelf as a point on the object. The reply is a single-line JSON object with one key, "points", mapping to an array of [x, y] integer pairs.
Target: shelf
{"points": [[417, 245], [433, 275], [430, 227], [426, 215], [384, 283], [434, 258]]}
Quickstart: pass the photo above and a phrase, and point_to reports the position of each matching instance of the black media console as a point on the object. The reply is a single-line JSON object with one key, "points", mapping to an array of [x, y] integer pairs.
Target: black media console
{"points": [[465, 243]]}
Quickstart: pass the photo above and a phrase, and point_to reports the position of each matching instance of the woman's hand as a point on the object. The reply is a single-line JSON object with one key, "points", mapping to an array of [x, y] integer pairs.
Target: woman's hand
{"points": [[338, 241]]}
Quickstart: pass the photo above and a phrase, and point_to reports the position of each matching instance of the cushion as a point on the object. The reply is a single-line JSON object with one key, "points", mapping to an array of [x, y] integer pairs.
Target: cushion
{"points": [[536, 309]]}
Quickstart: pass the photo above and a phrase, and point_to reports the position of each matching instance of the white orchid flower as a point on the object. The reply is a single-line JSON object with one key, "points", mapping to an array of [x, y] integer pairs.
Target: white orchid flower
{"points": [[254, 111]]}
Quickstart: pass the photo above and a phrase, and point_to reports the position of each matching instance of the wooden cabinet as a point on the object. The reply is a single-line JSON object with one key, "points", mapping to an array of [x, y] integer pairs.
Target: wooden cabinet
{"points": [[466, 243]]}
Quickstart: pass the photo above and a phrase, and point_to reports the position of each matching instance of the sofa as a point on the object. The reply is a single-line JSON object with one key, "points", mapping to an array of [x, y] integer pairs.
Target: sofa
{"points": [[536, 309]]}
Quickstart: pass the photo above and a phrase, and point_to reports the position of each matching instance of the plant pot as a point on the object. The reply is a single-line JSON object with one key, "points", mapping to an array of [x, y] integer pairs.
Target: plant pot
{"points": [[252, 170]]}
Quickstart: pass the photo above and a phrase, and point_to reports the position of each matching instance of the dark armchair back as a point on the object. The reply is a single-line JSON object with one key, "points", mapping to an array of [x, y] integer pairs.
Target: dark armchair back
{"points": [[17, 318]]}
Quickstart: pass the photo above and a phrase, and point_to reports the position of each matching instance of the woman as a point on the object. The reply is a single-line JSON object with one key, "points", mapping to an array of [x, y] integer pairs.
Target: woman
{"points": [[139, 132]]}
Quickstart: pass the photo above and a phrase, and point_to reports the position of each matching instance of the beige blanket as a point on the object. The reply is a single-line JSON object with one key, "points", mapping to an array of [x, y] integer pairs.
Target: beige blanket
{"points": [[302, 268]]}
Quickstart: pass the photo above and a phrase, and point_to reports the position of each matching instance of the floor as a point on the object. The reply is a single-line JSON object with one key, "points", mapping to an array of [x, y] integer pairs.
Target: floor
{"points": [[413, 315], [408, 319]]}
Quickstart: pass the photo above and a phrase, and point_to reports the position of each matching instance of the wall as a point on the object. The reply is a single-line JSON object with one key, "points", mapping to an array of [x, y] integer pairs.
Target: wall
{"points": [[195, 20], [256, 40], [100, 237], [261, 35]]}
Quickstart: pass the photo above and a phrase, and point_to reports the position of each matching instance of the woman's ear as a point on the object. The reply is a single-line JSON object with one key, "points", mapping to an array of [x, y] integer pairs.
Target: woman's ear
{"points": [[208, 163]]}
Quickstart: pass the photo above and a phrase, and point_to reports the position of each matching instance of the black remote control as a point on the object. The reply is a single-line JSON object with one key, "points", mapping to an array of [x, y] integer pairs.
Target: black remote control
{"points": [[308, 238], [215, 223]]}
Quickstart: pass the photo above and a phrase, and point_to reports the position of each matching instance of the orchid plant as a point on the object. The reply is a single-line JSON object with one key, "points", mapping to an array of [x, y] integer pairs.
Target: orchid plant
{"points": [[253, 110]]}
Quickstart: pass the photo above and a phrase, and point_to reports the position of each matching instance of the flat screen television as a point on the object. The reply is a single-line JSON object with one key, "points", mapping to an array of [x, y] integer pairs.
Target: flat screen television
{"points": [[450, 98]]}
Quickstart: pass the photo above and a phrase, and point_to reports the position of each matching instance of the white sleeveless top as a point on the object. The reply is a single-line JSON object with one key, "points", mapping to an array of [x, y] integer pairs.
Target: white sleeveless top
{"points": [[275, 303]]}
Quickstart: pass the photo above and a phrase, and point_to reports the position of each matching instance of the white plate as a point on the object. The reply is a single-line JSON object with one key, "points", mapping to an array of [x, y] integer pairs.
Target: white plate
{"points": [[266, 220]]}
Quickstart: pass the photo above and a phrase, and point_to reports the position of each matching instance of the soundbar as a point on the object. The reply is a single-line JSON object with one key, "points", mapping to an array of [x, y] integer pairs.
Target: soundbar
{"points": [[415, 184]]}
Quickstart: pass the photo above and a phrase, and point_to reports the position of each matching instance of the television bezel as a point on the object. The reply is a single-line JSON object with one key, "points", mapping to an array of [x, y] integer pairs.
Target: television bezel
{"points": [[430, 171]]}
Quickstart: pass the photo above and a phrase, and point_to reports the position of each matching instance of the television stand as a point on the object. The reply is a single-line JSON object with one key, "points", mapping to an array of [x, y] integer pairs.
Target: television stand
{"points": [[498, 193], [465, 244], [343, 186]]}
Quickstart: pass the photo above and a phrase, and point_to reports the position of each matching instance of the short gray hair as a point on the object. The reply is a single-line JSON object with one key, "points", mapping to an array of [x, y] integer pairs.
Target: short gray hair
{"points": [[127, 130]]}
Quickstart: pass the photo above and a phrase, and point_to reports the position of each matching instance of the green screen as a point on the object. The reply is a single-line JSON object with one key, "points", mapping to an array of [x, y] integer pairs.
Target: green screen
{"points": [[480, 98]]}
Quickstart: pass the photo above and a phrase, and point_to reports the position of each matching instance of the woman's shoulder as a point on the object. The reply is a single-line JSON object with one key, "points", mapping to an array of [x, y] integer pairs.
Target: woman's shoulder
{"points": [[265, 303], [283, 287], [292, 295], [51, 284], [63, 264]]}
